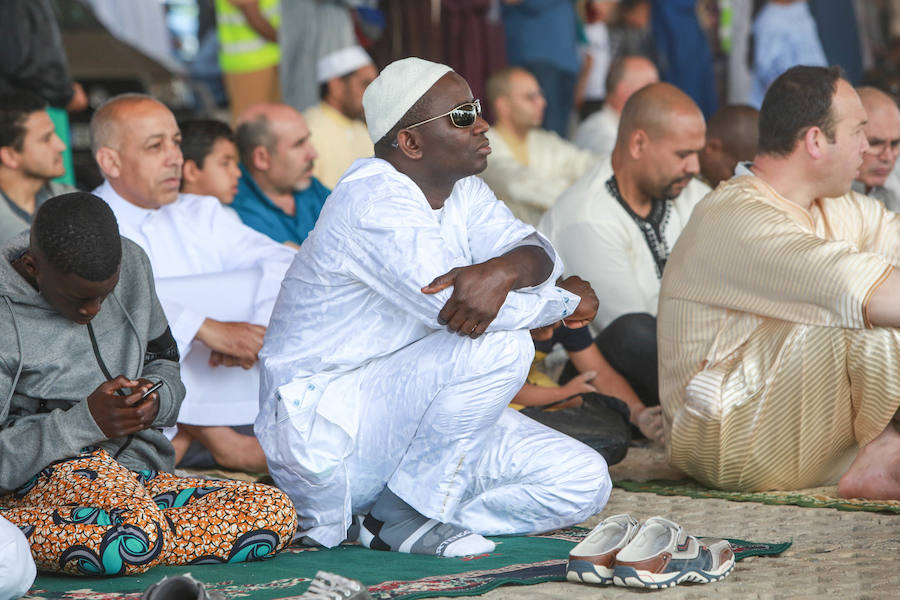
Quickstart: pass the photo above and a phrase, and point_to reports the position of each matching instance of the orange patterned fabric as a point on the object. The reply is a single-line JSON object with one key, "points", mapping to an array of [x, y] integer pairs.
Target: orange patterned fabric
{"points": [[89, 515]]}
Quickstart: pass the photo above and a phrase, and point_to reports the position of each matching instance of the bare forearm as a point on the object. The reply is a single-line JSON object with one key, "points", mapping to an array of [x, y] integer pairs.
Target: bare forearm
{"points": [[883, 309], [608, 381], [530, 265], [535, 395]]}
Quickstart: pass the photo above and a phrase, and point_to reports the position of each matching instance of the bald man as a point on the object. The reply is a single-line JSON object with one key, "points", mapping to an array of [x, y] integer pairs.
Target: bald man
{"points": [[277, 194], [878, 176], [626, 75], [529, 167], [616, 226], [216, 278], [732, 136]]}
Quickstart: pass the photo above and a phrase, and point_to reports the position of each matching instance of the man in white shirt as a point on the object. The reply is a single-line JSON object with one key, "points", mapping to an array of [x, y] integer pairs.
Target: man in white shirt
{"points": [[216, 278], [337, 124], [878, 176], [400, 335], [618, 224], [627, 75], [529, 167]]}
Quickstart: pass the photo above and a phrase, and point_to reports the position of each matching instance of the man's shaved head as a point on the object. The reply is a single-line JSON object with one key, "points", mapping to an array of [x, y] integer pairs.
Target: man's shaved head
{"points": [[732, 136], [652, 108], [882, 131], [626, 76], [661, 133]]}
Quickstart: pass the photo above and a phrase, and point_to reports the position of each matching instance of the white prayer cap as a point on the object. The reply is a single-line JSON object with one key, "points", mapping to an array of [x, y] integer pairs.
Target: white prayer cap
{"points": [[394, 92], [341, 62]]}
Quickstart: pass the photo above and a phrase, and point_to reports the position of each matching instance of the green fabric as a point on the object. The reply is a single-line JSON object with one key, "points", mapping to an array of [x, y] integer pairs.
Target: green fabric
{"points": [[389, 575], [814, 498], [60, 120]]}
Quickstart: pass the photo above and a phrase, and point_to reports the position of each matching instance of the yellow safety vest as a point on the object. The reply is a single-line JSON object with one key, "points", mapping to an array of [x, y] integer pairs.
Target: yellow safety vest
{"points": [[240, 48]]}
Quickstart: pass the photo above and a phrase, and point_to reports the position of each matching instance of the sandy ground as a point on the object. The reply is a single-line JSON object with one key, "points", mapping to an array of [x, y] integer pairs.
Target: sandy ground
{"points": [[835, 554]]}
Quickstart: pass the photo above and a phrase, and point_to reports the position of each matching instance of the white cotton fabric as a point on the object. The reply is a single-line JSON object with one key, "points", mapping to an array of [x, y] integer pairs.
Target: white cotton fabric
{"points": [[395, 90], [601, 243], [195, 237], [553, 165], [17, 568], [598, 132], [362, 387]]}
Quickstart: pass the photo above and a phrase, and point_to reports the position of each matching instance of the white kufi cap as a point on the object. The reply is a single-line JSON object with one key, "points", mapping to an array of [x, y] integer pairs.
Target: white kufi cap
{"points": [[341, 62], [399, 86]]}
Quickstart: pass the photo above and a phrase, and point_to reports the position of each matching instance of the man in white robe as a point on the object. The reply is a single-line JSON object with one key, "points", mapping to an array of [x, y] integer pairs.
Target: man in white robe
{"points": [[529, 167], [384, 398], [216, 278], [627, 75]]}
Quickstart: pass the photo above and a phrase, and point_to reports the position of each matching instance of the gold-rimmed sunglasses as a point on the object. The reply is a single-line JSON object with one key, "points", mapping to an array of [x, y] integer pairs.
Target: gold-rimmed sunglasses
{"points": [[461, 116]]}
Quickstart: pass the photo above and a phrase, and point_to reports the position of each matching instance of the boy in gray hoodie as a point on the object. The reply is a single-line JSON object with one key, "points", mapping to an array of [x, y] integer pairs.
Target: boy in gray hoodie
{"points": [[84, 465]]}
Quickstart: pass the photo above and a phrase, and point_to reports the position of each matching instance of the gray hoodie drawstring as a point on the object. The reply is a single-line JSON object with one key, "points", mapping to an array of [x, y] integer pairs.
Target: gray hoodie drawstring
{"points": [[12, 389]]}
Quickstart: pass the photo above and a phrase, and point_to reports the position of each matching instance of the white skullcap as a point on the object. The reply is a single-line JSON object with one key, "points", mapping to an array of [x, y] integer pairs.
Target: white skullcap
{"points": [[341, 62], [394, 92]]}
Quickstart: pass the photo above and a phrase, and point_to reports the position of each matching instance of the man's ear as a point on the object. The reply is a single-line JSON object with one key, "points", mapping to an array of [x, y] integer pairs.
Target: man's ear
{"points": [[260, 158], [637, 143], [409, 144], [9, 157], [109, 162], [814, 140], [190, 172], [29, 264]]}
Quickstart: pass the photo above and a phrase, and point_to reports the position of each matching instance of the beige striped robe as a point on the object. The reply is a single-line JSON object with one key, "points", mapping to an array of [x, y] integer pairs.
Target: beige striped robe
{"points": [[770, 374]]}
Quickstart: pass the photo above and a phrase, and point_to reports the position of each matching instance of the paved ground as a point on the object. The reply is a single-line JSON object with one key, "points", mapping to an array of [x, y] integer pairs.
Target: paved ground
{"points": [[835, 554]]}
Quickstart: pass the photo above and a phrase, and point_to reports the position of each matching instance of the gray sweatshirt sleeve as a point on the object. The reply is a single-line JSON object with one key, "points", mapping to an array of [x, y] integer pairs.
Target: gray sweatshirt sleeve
{"points": [[161, 359], [31, 443]]}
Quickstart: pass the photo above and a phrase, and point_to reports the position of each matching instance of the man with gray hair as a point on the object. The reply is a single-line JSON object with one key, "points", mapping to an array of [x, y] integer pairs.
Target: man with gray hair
{"points": [[878, 176], [277, 194], [401, 334], [216, 278]]}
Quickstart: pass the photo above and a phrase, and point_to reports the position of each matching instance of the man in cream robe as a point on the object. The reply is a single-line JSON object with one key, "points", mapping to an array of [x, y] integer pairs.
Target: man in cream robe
{"points": [[337, 124], [529, 167], [369, 405], [778, 349]]}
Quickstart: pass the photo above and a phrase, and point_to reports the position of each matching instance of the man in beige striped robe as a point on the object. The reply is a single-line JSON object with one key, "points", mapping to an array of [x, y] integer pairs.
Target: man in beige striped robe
{"points": [[779, 357]]}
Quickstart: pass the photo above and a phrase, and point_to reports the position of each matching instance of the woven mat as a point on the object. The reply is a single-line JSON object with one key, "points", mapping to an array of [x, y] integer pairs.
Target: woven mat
{"points": [[388, 575], [821, 497]]}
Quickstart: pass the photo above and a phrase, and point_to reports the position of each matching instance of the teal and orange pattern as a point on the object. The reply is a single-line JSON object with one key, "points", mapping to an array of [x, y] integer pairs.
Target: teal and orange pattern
{"points": [[89, 515]]}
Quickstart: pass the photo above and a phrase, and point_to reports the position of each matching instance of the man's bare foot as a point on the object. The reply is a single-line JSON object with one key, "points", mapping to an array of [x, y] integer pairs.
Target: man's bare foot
{"points": [[230, 449], [875, 473]]}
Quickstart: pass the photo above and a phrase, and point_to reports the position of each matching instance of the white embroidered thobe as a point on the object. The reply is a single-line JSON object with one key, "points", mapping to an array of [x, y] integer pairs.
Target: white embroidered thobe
{"points": [[363, 387], [553, 165], [600, 242], [188, 243]]}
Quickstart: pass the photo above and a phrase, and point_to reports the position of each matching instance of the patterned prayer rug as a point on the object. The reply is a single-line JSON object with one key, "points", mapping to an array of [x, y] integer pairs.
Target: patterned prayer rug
{"points": [[389, 575], [821, 497]]}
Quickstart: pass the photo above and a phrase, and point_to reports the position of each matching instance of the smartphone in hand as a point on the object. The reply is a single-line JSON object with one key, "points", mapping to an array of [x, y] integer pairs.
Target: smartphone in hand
{"points": [[152, 389]]}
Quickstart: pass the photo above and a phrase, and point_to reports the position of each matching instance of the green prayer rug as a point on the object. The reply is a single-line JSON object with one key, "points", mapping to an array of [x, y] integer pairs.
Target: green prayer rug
{"points": [[388, 575], [824, 497]]}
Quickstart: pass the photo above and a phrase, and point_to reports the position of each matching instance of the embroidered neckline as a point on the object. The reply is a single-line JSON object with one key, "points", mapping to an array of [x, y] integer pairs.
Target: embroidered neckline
{"points": [[651, 227]]}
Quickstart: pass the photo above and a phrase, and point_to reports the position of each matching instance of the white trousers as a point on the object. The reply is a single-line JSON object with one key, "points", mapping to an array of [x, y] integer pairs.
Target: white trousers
{"points": [[431, 422], [17, 570]]}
